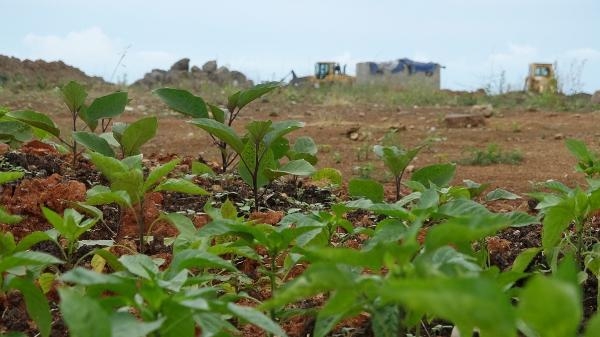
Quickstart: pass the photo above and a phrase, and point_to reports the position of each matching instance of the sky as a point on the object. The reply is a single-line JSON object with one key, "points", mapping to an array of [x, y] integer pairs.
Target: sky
{"points": [[481, 43]]}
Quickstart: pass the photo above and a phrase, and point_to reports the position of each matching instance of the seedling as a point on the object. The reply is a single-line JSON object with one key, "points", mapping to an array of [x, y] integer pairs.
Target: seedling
{"points": [[188, 104], [128, 187], [73, 94], [396, 160]]}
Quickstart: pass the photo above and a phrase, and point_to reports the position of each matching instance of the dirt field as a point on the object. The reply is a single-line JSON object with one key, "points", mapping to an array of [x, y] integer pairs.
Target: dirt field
{"points": [[537, 135]]}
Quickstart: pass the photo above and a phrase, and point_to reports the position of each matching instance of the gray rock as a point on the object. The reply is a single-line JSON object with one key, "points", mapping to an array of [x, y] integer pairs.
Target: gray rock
{"points": [[181, 65], [596, 97], [196, 69], [210, 66]]}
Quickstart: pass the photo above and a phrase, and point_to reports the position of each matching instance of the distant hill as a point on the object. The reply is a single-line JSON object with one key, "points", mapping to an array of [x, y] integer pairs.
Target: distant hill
{"points": [[40, 74]]}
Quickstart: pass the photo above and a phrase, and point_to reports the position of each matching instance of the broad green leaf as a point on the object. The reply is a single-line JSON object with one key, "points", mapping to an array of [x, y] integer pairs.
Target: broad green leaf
{"points": [[160, 172], [305, 144], [15, 131], [102, 195], [252, 315], [199, 168], [501, 194], [467, 302], [27, 258], [340, 304], [257, 130], [179, 321], [137, 134], [524, 259], [132, 182], [556, 220], [386, 321], [557, 315], [593, 326], [280, 129], [181, 186], [580, 151], [217, 113], [37, 120], [221, 131], [74, 96], [244, 97], [438, 174], [84, 316], [183, 102], [108, 166], [124, 324], [198, 259], [461, 231], [31, 240], [94, 142], [395, 159], [294, 167], [463, 207], [228, 210], [108, 106], [36, 303], [140, 265], [366, 188], [333, 175], [7, 218], [255, 164]]}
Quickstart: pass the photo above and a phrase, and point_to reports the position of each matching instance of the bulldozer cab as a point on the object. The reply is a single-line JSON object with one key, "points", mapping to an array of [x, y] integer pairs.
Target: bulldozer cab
{"points": [[325, 69], [541, 78]]}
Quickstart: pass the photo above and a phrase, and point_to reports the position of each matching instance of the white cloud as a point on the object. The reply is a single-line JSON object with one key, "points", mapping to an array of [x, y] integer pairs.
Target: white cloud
{"points": [[588, 54], [90, 49], [96, 53]]}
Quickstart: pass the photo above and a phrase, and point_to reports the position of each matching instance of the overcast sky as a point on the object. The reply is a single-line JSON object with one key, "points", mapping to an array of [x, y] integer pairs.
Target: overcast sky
{"points": [[476, 40]]}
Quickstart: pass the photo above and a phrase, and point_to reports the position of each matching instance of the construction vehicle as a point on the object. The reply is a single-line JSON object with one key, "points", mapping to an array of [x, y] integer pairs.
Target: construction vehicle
{"points": [[325, 73], [541, 78]]}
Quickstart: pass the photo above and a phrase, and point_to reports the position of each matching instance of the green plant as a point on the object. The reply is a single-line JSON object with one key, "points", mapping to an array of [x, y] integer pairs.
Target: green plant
{"points": [[20, 269], [128, 187], [259, 151], [396, 160], [13, 132], [140, 299], [587, 161], [492, 154], [102, 109], [71, 226], [188, 104], [129, 138], [6, 177]]}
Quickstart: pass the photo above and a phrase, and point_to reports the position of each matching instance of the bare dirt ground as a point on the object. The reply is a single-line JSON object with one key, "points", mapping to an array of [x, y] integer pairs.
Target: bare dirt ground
{"points": [[537, 135]]}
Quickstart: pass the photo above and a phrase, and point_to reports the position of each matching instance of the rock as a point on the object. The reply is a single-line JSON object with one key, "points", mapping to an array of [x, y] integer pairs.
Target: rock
{"points": [[559, 136], [596, 97], [181, 65], [4, 148], [196, 69], [487, 110], [210, 66], [464, 120]]}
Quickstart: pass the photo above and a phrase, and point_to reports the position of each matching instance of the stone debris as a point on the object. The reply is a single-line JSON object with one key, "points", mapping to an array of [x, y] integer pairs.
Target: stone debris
{"points": [[180, 74], [464, 120]]}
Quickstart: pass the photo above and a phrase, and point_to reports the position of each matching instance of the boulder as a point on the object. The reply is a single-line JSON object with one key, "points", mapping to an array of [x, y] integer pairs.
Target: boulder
{"points": [[181, 65], [196, 69], [596, 97], [210, 66], [464, 120]]}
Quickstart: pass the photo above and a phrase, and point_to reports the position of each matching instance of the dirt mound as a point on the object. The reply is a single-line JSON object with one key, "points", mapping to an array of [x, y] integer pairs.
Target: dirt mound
{"points": [[180, 74], [40, 74]]}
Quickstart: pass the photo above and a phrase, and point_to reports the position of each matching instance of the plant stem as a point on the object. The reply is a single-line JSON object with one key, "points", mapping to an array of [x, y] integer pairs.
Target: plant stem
{"points": [[74, 146], [398, 188], [273, 283], [141, 224]]}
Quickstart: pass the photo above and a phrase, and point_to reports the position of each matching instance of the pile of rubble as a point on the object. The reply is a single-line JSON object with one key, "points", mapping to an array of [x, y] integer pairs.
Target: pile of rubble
{"points": [[27, 74], [180, 74]]}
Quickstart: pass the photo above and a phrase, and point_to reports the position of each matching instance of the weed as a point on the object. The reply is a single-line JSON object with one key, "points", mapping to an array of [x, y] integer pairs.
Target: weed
{"points": [[491, 155]]}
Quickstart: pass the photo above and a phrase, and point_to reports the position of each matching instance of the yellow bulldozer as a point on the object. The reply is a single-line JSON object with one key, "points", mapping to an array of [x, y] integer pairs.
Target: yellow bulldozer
{"points": [[541, 78], [325, 73]]}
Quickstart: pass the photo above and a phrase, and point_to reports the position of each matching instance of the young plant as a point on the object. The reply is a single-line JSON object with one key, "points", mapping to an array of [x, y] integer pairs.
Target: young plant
{"points": [[396, 160], [141, 299], [71, 226], [20, 269], [74, 95], [13, 132], [128, 187], [188, 104], [259, 151], [128, 138], [587, 161]]}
